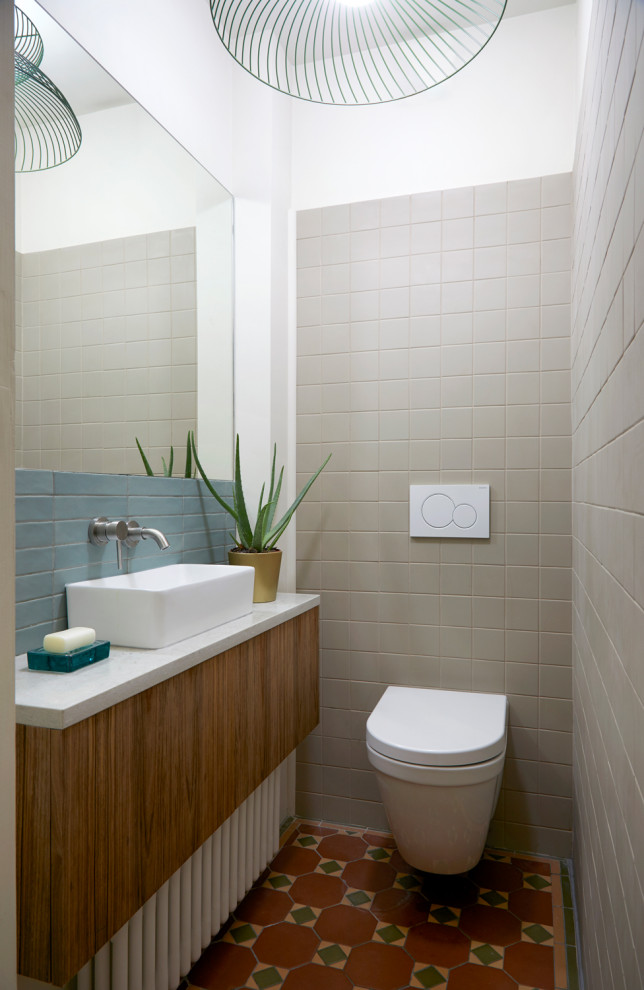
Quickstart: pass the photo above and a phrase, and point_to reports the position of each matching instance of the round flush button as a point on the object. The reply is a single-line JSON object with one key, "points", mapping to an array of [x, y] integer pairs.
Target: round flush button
{"points": [[464, 515], [438, 511]]}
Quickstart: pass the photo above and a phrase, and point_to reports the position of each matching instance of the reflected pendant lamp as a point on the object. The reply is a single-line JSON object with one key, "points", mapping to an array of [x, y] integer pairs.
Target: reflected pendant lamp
{"points": [[46, 131], [352, 53]]}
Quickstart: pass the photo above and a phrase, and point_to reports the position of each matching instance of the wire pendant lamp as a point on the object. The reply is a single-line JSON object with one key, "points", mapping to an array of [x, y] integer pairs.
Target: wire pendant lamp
{"points": [[46, 131], [329, 51]]}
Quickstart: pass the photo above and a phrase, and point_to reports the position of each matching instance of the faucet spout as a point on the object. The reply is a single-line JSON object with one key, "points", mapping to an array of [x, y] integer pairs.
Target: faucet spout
{"points": [[156, 535], [102, 531]]}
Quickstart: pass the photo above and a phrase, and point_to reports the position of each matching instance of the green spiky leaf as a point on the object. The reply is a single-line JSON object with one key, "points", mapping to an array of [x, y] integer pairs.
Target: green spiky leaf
{"points": [[146, 463], [274, 534], [243, 523], [260, 524], [260, 528], [167, 468], [188, 470], [209, 485]]}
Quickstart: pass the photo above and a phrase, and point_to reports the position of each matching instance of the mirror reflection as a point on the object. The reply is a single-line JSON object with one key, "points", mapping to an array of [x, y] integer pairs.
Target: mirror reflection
{"points": [[124, 289]]}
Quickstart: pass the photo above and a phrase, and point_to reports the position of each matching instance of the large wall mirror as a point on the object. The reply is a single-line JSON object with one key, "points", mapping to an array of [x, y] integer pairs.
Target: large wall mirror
{"points": [[124, 310]]}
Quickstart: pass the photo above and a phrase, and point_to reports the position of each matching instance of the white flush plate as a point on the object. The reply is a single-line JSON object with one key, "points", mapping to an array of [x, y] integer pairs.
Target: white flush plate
{"points": [[454, 511]]}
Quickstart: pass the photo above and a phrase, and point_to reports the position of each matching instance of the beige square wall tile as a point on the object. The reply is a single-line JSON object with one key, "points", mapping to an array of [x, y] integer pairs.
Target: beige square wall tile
{"points": [[489, 644], [463, 390], [488, 613]]}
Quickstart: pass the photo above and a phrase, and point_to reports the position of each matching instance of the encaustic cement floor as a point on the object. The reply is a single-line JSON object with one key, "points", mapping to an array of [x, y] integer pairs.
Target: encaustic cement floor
{"points": [[339, 908]]}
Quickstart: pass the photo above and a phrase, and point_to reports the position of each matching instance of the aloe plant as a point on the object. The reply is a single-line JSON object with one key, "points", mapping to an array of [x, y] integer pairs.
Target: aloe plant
{"points": [[167, 467], [264, 534]]}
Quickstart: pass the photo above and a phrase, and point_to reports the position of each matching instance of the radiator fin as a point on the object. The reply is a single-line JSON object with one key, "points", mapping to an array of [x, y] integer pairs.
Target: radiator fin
{"points": [[160, 944]]}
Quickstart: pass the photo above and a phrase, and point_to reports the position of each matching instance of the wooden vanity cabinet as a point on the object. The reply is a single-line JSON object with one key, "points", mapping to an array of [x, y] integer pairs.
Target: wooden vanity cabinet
{"points": [[109, 808]]}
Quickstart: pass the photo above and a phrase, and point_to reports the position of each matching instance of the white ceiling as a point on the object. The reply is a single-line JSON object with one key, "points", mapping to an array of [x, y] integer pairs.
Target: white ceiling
{"points": [[88, 87], [515, 8]]}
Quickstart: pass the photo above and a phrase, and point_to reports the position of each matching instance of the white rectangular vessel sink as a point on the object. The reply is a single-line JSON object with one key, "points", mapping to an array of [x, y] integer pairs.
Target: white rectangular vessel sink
{"points": [[154, 608]]}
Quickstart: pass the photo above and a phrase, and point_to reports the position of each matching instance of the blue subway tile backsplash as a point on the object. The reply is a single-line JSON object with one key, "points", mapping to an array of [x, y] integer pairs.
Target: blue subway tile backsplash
{"points": [[35, 482], [53, 511]]}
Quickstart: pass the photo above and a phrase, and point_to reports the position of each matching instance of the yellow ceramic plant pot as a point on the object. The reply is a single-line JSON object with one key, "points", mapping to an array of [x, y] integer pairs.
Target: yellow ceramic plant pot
{"points": [[267, 571]]}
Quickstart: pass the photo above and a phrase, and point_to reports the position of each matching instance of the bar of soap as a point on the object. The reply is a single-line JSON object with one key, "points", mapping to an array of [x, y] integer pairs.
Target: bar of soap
{"points": [[69, 639]]}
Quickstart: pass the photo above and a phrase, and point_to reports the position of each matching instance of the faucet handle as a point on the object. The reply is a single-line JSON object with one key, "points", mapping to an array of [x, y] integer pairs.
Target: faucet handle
{"points": [[133, 534], [102, 531]]}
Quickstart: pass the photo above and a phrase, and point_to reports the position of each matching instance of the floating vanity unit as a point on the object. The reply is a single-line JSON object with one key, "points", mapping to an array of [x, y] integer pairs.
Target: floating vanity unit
{"points": [[126, 768]]}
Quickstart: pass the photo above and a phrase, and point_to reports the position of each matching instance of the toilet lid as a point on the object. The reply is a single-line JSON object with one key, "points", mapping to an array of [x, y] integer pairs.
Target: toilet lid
{"points": [[438, 728]]}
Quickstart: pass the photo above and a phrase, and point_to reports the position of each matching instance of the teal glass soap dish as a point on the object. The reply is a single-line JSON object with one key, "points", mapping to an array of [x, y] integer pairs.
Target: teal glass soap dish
{"points": [[64, 663]]}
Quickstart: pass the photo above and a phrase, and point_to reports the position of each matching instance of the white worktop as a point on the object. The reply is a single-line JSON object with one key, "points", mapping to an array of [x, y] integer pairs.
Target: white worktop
{"points": [[56, 700]]}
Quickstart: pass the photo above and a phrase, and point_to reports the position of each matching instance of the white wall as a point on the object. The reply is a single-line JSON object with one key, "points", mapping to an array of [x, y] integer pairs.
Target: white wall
{"points": [[215, 339], [584, 15], [129, 177], [510, 114]]}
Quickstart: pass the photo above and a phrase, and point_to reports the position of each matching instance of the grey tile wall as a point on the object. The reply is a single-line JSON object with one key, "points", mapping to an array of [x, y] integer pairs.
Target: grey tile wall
{"points": [[106, 351], [433, 345], [608, 465], [53, 510]]}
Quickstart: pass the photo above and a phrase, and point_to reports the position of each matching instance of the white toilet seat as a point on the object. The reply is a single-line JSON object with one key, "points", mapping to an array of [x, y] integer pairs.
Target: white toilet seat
{"points": [[434, 728], [473, 773]]}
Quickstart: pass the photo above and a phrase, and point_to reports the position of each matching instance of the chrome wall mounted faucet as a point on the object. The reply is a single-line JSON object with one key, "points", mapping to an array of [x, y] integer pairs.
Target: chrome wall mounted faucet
{"points": [[121, 531], [136, 533]]}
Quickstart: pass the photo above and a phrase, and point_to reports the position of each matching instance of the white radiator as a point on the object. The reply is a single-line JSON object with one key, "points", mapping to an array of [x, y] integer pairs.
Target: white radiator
{"points": [[159, 945]]}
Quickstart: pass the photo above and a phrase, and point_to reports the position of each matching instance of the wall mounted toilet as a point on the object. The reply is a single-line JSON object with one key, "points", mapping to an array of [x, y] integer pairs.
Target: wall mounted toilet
{"points": [[438, 757]]}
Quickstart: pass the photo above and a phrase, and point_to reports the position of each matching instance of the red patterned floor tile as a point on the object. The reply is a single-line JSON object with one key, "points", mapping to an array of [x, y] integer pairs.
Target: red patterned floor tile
{"points": [[400, 907], [496, 876], [471, 977], [317, 890], [532, 905], [379, 967], [263, 906], [286, 945], [295, 862], [344, 848], [223, 966], [377, 839], [377, 959], [440, 945], [365, 874], [532, 866], [346, 925], [532, 965], [400, 864], [488, 924], [307, 829], [561, 966], [314, 977]]}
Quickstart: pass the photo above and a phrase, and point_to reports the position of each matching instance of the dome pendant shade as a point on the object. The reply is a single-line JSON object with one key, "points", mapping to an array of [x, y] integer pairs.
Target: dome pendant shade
{"points": [[27, 40], [46, 131], [331, 52]]}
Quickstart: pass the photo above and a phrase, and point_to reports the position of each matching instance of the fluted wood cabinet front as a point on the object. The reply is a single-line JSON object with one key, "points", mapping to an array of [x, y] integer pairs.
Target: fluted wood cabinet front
{"points": [[109, 808]]}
